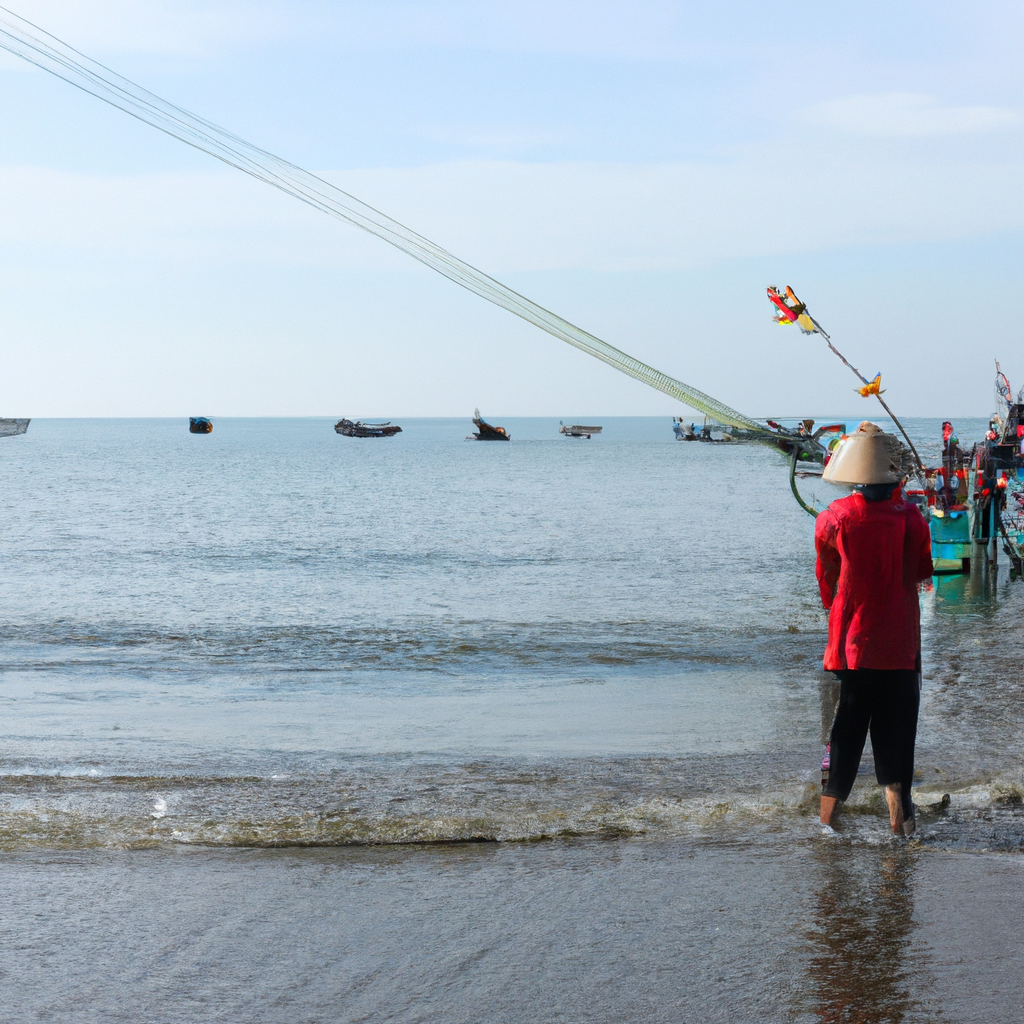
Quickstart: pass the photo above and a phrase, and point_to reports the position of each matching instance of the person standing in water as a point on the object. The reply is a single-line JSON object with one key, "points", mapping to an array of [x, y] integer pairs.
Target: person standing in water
{"points": [[873, 550]]}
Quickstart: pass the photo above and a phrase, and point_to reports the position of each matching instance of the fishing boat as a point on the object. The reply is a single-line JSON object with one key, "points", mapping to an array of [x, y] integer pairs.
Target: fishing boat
{"points": [[974, 500], [200, 425], [683, 433], [578, 430], [360, 429], [11, 428], [486, 432]]}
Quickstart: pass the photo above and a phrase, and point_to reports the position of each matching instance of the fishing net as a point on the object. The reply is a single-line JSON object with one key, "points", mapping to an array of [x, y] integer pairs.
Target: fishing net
{"points": [[46, 51], [1002, 391]]}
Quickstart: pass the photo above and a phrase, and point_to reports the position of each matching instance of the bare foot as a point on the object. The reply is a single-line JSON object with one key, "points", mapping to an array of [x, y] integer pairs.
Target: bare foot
{"points": [[894, 798], [828, 806]]}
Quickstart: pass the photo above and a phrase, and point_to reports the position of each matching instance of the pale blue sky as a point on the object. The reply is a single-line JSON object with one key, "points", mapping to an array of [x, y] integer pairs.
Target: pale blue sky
{"points": [[644, 169]]}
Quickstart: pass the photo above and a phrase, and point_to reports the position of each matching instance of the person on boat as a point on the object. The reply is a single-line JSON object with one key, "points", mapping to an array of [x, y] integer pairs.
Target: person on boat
{"points": [[874, 549], [947, 433]]}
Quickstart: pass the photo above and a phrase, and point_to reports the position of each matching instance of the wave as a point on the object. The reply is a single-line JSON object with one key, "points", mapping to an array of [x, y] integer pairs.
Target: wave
{"points": [[429, 645], [470, 803]]}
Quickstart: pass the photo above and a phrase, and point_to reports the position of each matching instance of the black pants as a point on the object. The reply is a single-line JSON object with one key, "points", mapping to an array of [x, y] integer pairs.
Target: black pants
{"points": [[886, 702]]}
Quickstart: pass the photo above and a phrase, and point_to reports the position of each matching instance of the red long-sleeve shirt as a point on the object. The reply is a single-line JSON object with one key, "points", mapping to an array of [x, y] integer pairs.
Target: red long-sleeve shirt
{"points": [[871, 557]]}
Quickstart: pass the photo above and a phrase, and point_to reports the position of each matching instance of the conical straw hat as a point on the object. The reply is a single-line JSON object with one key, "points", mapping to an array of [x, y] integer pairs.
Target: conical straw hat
{"points": [[867, 456]]}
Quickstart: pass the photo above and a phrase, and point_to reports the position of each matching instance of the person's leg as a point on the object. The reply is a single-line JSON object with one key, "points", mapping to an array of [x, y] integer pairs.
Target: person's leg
{"points": [[894, 799], [849, 730], [893, 735], [829, 691]]}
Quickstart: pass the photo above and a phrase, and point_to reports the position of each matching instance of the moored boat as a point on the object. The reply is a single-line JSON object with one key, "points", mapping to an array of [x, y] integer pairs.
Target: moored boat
{"points": [[487, 432], [348, 428], [951, 540], [974, 499], [578, 430], [13, 427], [683, 432]]}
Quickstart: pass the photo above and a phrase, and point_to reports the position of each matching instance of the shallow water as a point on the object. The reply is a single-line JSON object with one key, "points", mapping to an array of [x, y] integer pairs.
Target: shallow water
{"points": [[642, 930], [273, 636]]}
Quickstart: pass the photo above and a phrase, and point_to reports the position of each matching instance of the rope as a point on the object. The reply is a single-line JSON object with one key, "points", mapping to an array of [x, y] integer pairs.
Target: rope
{"points": [[793, 487]]}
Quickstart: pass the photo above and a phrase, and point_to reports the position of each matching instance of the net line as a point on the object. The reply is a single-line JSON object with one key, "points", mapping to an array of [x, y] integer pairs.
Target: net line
{"points": [[46, 51]]}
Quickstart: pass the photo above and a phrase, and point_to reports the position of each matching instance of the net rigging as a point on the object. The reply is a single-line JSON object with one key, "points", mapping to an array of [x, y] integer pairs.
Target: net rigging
{"points": [[32, 43]]}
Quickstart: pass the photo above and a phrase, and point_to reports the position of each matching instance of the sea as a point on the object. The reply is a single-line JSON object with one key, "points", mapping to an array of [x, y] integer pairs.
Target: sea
{"points": [[296, 727]]}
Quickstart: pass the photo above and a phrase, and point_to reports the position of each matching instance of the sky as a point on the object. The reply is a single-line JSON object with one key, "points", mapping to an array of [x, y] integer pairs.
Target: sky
{"points": [[644, 169]]}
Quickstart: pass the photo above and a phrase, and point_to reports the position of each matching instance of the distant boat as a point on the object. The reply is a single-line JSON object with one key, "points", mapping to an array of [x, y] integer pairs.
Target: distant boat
{"points": [[486, 431], [578, 430], [360, 429], [199, 425], [11, 428]]}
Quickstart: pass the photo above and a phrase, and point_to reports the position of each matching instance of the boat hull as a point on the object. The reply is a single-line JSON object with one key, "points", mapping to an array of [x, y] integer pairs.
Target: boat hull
{"points": [[486, 432], [359, 429], [579, 430], [12, 427], [952, 543]]}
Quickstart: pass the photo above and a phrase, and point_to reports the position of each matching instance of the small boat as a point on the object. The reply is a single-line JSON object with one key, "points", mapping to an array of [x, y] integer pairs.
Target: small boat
{"points": [[361, 429], [486, 432], [578, 430], [683, 433], [690, 432], [11, 428], [200, 425]]}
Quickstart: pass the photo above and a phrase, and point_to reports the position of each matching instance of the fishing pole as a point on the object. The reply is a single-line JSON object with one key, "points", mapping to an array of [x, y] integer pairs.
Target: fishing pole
{"points": [[792, 311], [875, 392]]}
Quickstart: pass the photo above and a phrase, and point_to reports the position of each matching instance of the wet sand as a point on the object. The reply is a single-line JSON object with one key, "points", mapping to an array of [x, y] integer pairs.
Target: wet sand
{"points": [[808, 929]]}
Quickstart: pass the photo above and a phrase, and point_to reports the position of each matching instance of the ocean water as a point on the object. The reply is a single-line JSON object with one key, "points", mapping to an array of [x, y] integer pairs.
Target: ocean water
{"points": [[303, 727]]}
